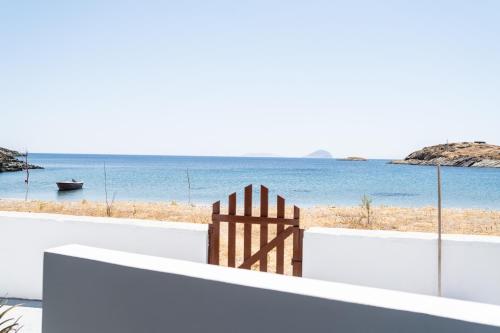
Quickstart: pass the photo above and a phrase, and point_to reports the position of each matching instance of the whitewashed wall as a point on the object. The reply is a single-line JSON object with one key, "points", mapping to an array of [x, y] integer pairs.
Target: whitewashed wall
{"points": [[125, 293], [24, 237], [405, 261], [471, 268]]}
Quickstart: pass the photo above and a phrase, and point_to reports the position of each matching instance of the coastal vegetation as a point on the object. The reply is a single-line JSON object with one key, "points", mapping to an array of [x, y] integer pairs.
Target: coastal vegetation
{"points": [[7, 325], [424, 219], [462, 154], [366, 206], [109, 204]]}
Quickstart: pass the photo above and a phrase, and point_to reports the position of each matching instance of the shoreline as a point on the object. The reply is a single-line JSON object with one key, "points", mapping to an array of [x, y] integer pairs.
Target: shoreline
{"points": [[473, 221], [209, 204]]}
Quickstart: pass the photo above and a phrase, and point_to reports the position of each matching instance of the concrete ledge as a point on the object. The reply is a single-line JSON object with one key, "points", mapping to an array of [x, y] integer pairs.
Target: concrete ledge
{"points": [[88, 289], [26, 235], [103, 220], [405, 261]]}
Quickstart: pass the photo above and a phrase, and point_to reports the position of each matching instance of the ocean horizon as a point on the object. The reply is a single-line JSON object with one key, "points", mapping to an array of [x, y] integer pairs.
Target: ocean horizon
{"points": [[302, 181]]}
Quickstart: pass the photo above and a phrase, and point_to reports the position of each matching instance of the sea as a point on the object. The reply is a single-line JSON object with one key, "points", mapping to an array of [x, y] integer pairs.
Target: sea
{"points": [[204, 180]]}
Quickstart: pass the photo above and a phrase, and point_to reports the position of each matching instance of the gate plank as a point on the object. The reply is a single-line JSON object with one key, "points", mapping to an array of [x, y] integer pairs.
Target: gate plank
{"points": [[301, 251], [215, 237], [231, 236], [264, 211], [247, 233], [256, 219], [280, 249], [297, 253]]}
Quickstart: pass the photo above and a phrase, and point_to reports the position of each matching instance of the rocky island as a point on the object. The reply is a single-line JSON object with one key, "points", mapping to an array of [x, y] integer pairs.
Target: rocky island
{"points": [[353, 158], [319, 154], [9, 161], [462, 154]]}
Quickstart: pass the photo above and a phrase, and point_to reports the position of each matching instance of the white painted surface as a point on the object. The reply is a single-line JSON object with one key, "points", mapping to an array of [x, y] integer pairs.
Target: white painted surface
{"points": [[29, 318], [276, 303], [26, 235], [471, 268], [405, 261]]}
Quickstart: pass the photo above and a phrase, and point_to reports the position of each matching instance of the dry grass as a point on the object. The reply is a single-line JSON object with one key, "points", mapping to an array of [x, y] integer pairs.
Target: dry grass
{"points": [[462, 221]]}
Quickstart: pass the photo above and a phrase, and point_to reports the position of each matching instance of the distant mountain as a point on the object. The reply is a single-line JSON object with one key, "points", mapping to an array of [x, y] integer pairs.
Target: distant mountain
{"points": [[319, 154], [259, 155]]}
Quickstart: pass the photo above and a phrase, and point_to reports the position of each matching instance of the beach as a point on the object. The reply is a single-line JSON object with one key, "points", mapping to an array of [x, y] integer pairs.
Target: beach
{"points": [[420, 219]]}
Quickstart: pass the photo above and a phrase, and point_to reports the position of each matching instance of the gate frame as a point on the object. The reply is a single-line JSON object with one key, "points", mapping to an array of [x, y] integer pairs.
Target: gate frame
{"points": [[285, 227]]}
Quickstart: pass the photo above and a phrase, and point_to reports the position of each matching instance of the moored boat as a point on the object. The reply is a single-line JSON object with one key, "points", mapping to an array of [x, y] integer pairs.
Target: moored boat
{"points": [[69, 185]]}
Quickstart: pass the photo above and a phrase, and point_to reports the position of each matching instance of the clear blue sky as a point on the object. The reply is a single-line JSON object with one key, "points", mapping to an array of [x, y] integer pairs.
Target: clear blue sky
{"points": [[369, 78]]}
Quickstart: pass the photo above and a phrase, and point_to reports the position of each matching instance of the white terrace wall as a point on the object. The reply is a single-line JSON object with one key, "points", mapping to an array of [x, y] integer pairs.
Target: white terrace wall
{"points": [[405, 261], [94, 290], [24, 237]]}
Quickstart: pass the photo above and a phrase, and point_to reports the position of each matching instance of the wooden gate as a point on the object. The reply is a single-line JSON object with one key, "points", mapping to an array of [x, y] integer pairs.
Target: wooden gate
{"points": [[285, 227]]}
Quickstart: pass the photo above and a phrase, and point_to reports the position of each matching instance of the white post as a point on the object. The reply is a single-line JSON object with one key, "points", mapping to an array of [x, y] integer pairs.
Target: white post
{"points": [[439, 229]]}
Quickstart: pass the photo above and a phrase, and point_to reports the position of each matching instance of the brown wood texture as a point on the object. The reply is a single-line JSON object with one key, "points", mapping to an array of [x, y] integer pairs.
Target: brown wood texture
{"points": [[231, 236], [285, 227], [210, 247], [280, 248], [297, 245], [247, 231], [264, 211], [215, 235], [256, 220], [268, 247]]}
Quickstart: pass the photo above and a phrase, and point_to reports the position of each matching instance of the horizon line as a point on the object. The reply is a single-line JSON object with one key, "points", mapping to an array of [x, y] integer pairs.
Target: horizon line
{"points": [[229, 156]]}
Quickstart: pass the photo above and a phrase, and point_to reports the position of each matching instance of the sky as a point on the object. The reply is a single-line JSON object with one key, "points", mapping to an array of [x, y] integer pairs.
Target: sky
{"points": [[377, 79]]}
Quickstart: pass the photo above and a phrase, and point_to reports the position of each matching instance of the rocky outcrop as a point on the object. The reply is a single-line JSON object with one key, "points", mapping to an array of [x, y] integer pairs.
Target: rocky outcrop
{"points": [[319, 154], [463, 154], [9, 161], [353, 158]]}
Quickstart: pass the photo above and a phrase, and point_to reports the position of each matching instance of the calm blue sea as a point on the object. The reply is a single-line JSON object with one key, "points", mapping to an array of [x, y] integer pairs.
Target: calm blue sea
{"points": [[304, 182]]}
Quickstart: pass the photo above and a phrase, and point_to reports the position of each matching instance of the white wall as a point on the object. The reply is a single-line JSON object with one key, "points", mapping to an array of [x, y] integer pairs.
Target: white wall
{"points": [[24, 237], [405, 261], [94, 290], [471, 268]]}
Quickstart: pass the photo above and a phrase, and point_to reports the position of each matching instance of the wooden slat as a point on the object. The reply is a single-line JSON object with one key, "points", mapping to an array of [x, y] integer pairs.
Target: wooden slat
{"points": [[297, 256], [247, 232], [264, 211], [279, 239], [280, 248], [231, 236], [215, 235], [301, 252], [210, 236], [256, 220]]}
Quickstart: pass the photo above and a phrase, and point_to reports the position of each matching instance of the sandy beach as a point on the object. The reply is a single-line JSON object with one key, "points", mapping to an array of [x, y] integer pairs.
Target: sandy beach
{"points": [[422, 219]]}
